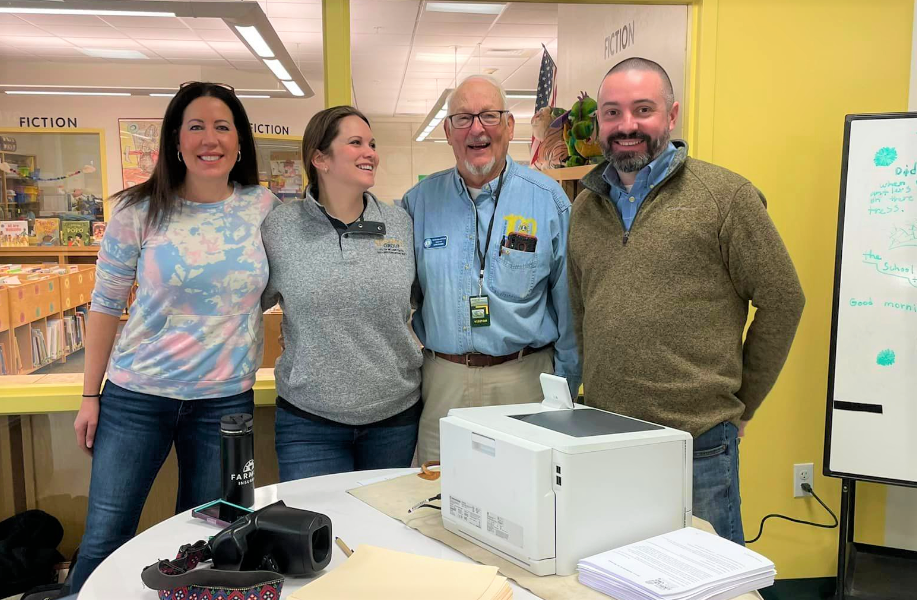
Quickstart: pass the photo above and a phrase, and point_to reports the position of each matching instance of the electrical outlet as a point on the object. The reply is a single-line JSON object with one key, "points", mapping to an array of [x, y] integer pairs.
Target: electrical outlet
{"points": [[802, 473]]}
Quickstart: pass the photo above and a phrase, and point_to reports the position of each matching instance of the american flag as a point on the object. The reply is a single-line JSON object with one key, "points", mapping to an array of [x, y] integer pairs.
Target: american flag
{"points": [[546, 96], [547, 90]]}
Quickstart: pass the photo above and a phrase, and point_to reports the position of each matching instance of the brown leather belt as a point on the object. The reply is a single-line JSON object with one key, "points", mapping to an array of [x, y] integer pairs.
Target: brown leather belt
{"points": [[485, 360]]}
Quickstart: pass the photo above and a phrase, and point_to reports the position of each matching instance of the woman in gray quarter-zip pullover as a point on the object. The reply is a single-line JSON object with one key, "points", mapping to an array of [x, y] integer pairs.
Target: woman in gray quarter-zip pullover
{"points": [[342, 266]]}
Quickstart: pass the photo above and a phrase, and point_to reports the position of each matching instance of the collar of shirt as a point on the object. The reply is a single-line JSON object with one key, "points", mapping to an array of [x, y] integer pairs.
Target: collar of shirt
{"points": [[648, 177]]}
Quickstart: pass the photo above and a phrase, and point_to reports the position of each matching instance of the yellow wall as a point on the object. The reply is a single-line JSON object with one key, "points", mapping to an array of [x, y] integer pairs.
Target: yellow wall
{"points": [[786, 72]]}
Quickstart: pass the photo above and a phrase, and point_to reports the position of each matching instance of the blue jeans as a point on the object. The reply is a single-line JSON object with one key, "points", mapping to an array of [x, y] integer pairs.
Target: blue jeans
{"points": [[716, 481], [133, 439], [306, 448]]}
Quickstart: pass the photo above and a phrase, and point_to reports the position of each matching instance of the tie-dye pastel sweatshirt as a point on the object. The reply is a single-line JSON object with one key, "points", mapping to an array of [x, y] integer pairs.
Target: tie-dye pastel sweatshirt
{"points": [[195, 328]]}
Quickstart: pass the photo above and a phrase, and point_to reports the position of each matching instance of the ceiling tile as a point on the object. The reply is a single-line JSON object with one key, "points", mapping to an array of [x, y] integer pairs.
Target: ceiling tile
{"points": [[85, 32], [217, 35], [204, 62], [66, 20], [446, 40], [105, 43], [291, 10], [178, 49], [227, 48], [199, 23], [153, 22], [453, 29], [247, 65], [527, 16], [289, 37], [384, 55], [514, 43], [35, 42], [547, 32], [383, 11], [297, 25], [62, 51], [441, 17], [375, 40], [150, 33], [21, 28], [393, 26]]}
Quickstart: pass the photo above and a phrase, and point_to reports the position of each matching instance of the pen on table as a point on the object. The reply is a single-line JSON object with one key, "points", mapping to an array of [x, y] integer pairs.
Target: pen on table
{"points": [[344, 548]]}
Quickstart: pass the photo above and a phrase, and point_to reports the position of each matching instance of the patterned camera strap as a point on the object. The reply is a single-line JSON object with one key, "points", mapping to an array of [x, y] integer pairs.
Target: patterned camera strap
{"points": [[179, 580]]}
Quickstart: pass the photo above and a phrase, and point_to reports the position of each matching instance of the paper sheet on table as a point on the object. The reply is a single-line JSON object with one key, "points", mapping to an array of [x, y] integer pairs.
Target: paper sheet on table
{"points": [[373, 572], [679, 564]]}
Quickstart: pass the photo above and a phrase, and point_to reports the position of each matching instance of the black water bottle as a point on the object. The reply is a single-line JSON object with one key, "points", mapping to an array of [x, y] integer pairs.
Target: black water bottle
{"points": [[237, 459]]}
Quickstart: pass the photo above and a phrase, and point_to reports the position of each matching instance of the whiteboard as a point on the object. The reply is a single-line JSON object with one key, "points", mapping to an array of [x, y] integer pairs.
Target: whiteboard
{"points": [[871, 417]]}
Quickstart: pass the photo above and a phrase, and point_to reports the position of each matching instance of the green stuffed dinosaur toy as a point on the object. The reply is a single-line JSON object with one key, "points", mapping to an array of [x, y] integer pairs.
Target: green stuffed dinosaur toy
{"points": [[580, 132]]}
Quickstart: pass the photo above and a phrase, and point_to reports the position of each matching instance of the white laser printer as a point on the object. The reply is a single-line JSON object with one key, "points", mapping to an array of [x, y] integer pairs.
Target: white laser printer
{"points": [[544, 485]]}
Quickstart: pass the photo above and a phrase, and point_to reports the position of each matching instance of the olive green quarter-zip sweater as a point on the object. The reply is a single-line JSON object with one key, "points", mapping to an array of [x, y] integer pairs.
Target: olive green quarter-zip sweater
{"points": [[659, 311]]}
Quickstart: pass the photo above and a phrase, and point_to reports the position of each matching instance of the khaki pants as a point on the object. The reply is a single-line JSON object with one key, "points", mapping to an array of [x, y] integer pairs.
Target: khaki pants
{"points": [[450, 385]]}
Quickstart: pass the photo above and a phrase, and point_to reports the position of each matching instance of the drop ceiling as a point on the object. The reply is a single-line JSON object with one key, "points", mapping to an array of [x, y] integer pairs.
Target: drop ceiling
{"points": [[403, 56]]}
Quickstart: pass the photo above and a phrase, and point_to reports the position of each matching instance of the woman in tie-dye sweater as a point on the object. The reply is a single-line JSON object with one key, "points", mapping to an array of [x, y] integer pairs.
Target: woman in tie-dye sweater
{"points": [[190, 237]]}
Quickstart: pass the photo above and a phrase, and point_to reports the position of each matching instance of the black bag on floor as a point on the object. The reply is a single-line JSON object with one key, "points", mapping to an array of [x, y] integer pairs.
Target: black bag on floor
{"points": [[28, 551]]}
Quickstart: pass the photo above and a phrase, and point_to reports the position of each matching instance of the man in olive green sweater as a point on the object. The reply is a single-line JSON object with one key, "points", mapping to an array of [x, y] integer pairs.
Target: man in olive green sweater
{"points": [[665, 253]]}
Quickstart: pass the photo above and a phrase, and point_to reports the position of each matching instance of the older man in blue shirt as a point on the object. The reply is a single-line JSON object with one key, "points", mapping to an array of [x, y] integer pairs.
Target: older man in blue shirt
{"points": [[490, 239]]}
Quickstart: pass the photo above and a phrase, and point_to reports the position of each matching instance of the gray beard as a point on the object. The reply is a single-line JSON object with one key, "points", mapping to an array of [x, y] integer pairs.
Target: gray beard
{"points": [[480, 171]]}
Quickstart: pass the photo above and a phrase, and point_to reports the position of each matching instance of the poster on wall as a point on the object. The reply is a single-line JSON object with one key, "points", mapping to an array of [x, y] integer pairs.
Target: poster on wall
{"points": [[139, 149]]}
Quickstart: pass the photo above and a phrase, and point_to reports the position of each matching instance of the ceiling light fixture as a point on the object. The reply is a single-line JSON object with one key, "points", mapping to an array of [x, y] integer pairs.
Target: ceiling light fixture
{"points": [[434, 117], [84, 11], [277, 69], [49, 93], [254, 39], [521, 94], [477, 8], [293, 88], [246, 20]]}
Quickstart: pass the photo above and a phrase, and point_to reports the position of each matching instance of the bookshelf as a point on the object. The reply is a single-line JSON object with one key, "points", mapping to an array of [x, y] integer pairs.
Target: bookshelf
{"points": [[46, 315], [62, 255], [18, 194], [569, 178]]}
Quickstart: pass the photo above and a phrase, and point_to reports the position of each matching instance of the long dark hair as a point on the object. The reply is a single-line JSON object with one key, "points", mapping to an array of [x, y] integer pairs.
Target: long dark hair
{"points": [[323, 127], [169, 174]]}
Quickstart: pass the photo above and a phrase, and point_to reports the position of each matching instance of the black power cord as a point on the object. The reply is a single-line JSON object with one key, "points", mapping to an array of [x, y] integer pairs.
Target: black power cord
{"points": [[806, 488]]}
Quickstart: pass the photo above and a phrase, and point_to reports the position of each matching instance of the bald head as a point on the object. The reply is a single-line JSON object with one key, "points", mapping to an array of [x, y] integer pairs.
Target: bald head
{"points": [[645, 65], [478, 85]]}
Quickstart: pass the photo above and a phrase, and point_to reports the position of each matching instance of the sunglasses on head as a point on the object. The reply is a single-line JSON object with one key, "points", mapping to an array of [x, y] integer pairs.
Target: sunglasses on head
{"points": [[222, 85]]}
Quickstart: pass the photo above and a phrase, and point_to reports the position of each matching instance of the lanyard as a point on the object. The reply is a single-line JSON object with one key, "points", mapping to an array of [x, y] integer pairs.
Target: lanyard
{"points": [[483, 255]]}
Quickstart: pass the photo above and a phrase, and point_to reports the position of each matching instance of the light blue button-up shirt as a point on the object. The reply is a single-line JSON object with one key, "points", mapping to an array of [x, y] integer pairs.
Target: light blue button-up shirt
{"points": [[527, 291], [649, 177]]}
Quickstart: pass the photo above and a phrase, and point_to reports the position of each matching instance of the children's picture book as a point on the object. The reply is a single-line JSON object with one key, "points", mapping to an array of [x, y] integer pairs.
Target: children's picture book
{"points": [[75, 233], [98, 232], [47, 232], [14, 233]]}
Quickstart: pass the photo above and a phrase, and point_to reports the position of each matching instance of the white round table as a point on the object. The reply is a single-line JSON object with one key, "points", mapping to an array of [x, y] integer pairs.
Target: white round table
{"points": [[356, 523]]}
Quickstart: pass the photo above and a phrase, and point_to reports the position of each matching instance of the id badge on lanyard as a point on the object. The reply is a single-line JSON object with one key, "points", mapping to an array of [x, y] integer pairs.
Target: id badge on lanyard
{"points": [[479, 306]]}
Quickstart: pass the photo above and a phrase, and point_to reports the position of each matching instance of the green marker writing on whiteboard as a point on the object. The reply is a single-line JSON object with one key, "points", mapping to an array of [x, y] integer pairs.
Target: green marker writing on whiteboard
{"points": [[886, 358]]}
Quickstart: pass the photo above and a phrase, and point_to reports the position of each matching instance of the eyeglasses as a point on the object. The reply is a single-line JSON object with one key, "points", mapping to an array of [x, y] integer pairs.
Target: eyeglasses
{"points": [[488, 118], [222, 85]]}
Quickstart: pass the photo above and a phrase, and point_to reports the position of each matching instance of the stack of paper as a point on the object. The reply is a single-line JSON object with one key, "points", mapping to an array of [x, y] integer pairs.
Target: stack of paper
{"points": [[687, 564], [373, 572]]}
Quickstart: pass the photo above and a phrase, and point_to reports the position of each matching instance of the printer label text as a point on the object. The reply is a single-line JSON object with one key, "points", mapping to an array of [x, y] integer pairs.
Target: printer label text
{"points": [[469, 513], [504, 529]]}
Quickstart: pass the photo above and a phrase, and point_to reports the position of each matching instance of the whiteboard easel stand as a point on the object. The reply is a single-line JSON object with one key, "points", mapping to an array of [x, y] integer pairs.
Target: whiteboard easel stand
{"points": [[864, 571]]}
